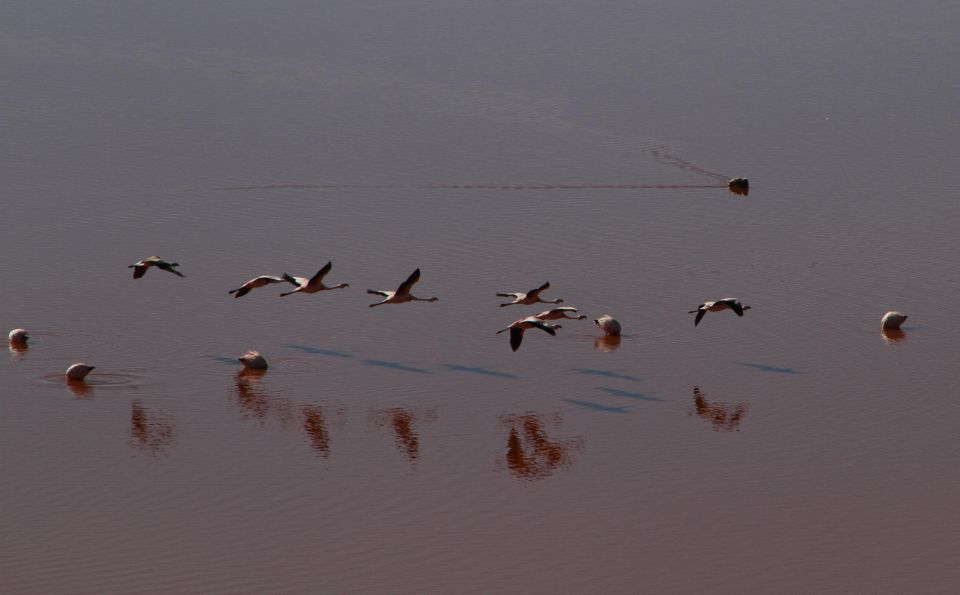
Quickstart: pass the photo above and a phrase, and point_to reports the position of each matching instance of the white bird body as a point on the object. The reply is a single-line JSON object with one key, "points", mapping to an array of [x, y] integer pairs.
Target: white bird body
{"points": [[718, 306], [140, 267], [609, 325], [252, 360], [892, 320], [529, 298], [79, 371], [19, 335], [313, 284], [517, 328], [402, 294], [254, 283], [560, 314]]}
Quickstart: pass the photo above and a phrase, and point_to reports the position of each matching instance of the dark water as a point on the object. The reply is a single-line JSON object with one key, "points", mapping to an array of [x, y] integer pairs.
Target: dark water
{"points": [[495, 146]]}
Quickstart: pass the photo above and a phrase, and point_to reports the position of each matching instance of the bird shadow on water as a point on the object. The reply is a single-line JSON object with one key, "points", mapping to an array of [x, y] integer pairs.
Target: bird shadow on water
{"points": [[773, 369], [479, 370], [221, 359], [319, 351], [395, 366], [616, 392], [597, 406], [605, 373]]}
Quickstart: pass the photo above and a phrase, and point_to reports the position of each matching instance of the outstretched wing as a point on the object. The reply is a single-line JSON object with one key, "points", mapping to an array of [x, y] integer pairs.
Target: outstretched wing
{"points": [[320, 274], [735, 305], [380, 293], [516, 337], [699, 317], [536, 292], [139, 271], [407, 285], [510, 295], [548, 328]]}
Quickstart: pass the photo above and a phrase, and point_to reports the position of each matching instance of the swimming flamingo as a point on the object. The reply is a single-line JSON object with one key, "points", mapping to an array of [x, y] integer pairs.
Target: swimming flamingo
{"points": [[609, 325], [892, 320], [78, 371], [517, 328], [402, 294], [530, 297], [140, 268], [256, 282], [19, 335], [313, 284], [560, 313], [252, 360], [718, 306]]}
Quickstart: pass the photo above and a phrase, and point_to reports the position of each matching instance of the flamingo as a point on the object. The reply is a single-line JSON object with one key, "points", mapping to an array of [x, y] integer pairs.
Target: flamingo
{"points": [[718, 306], [256, 282], [560, 313], [79, 371], [892, 320], [402, 294], [252, 360], [313, 284], [19, 335], [140, 268], [530, 297], [517, 328], [609, 325]]}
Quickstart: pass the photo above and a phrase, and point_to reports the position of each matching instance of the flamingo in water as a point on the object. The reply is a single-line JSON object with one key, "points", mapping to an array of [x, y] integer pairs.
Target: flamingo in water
{"points": [[530, 297], [518, 327], [402, 294], [313, 284]]}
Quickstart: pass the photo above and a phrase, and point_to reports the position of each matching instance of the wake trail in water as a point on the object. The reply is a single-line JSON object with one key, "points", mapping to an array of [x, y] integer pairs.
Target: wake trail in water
{"points": [[468, 186]]}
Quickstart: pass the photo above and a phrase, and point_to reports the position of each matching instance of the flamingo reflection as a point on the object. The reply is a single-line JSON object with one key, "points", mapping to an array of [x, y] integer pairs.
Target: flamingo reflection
{"points": [[531, 453], [721, 416], [403, 423], [892, 336], [149, 435], [251, 397], [315, 427], [79, 389], [607, 343]]}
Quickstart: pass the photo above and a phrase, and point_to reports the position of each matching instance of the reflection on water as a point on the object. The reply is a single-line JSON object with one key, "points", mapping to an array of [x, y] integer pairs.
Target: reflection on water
{"points": [[531, 453], [402, 421], [607, 343], [892, 336], [150, 432], [252, 398], [18, 349], [722, 417], [315, 427], [79, 389]]}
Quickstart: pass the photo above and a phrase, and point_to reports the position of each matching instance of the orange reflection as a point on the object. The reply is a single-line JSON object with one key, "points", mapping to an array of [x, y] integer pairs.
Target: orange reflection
{"points": [[892, 336], [607, 343], [531, 454], [149, 435], [720, 415], [18, 348], [79, 388], [403, 421], [252, 398], [315, 427]]}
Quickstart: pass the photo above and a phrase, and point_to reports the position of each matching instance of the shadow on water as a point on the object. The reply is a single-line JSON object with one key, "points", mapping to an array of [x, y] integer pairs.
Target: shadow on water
{"points": [[606, 373], [319, 351], [773, 369], [395, 366], [476, 370], [227, 361], [616, 392], [721, 416], [597, 406]]}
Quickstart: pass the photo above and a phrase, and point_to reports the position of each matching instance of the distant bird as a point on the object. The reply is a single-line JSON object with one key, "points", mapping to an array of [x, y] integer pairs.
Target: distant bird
{"points": [[530, 297], [313, 284], [560, 313], [19, 335], [140, 268], [256, 282], [892, 320], [718, 306], [609, 325], [517, 328], [79, 371], [402, 294], [252, 360], [739, 186]]}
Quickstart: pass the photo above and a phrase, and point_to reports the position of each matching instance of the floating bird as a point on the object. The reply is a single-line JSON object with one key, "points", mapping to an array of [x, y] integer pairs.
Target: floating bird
{"points": [[256, 282], [739, 186], [517, 328], [402, 294], [718, 306], [530, 297], [892, 320], [19, 335], [140, 268], [609, 325], [252, 360], [78, 371], [313, 284], [560, 313]]}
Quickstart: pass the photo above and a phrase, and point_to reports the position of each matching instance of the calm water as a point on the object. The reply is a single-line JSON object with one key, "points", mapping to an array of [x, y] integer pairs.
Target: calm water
{"points": [[406, 449]]}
